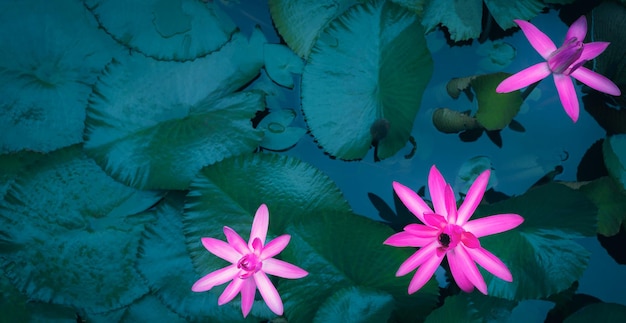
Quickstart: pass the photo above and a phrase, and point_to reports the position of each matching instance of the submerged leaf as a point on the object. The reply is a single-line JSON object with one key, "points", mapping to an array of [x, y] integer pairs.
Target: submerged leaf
{"points": [[542, 245], [611, 202], [327, 239], [614, 151], [165, 29], [73, 233], [277, 134], [344, 94], [154, 124], [280, 63]]}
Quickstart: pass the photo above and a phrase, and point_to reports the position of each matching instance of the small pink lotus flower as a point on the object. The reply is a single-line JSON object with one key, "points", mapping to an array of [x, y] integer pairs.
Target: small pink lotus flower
{"points": [[448, 232], [562, 63], [250, 264]]}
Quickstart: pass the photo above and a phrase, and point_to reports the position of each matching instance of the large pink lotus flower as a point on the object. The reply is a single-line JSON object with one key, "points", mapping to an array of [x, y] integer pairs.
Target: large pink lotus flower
{"points": [[250, 263], [562, 63], [448, 232]]}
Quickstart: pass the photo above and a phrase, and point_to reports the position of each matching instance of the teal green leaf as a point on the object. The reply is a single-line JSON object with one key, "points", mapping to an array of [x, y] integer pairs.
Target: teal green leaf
{"points": [[165, 264], [74, 233], [164, 29], [598, 312], [300, 22], [415, 6], [150, 309], [342, 97], [327, 240], [343, 250], [12, 164], [495, 110], [540, 253], [277, 134], [51, 54], [474, 307], [461, 18], [356, 304], [610, 200], [154, 124], [614, 151], [280, 63]]}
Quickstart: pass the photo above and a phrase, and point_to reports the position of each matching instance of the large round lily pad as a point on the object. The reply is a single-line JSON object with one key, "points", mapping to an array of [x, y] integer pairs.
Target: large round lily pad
{"points": [[370, 64]]}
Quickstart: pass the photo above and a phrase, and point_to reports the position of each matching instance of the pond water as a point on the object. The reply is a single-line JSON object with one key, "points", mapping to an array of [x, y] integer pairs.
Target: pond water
{"points": [[128, 136]]}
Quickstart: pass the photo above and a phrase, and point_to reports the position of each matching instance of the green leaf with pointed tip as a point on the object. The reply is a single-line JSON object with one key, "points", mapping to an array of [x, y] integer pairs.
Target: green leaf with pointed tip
{"points": [[614, 151], [540, 253], [164, 262], [280, 63], [327, 239], [370, 64], [611, 202], [154, 124], [277, 134], [165, 29], [51, 54], [300, 22], [598, 312], [74, 232], [495, 110], [356, 304]]}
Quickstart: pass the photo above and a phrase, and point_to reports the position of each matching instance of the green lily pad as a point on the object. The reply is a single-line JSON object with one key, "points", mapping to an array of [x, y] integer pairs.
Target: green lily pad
{"points": [[343, 95], [495, 110], [496, 55], [165, 264], [327, 239], [154, 124], [611, 202], [614, 151], [300, 22], [541, 246], [598, 312], [51, 54], [277, 134], [164, 29], [356, 303], [73, 233], [280, 62]]}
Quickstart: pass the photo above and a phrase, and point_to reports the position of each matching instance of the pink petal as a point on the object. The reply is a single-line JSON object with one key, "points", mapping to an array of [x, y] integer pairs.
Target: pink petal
{"points": [[282, 269], [469, 268], [577, 30], [458, 274], [491, 263], [235, 241], [424, 273], [470, 240], [473, 198], [435, 220], [421, 231], [269, 292], [567, 94], [275, 246], [406, 239], [231, 291], [418, 258], [259, 225], [493, 224], [215, 278], [221, 249], [591, 51], [524, 78], [596, 81], [412, 201], [450, 204], [248, 291], [537, 39], [437, 188]]}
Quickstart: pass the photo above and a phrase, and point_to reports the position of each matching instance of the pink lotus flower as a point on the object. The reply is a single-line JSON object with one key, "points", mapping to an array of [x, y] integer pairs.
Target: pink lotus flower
{"points": [[448, 232], [251, 263], [562, 63]]}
